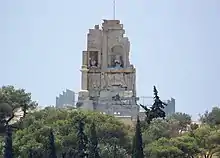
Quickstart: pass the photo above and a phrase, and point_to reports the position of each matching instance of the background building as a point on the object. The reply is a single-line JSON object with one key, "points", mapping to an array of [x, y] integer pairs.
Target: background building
{"points": [[170, 108], [67, 98]]}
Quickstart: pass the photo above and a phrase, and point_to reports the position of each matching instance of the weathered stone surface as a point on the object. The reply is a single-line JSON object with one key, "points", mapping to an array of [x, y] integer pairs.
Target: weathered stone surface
{"points": [[108, 78]]}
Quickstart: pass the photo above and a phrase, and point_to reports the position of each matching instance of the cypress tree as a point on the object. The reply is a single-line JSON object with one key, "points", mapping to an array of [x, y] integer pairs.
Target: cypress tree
{"points": [[115, 151], [93, 143], [133, 147], [51, 147], [8, 150], [30, 153], [137, 142], [82, 140]]}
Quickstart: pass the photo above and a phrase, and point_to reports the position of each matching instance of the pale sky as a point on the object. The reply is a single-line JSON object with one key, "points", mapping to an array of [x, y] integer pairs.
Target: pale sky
{"points": [[175, 46]]}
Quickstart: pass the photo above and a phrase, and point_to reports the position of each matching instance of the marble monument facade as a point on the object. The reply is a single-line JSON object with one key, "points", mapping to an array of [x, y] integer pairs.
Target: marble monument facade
{"points": [[108, 80]]}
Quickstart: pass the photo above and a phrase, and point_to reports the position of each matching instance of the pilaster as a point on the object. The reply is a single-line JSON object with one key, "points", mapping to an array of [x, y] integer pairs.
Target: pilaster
{"points": [[84, 78], [85, 58], [104, 50]]}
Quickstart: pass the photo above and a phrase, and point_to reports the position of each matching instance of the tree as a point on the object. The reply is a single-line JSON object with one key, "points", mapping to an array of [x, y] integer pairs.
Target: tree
{"points": [[187, 145], [138, 144], [133, 146], [158, 106], [115, 150], [208, 140], [6, 114], [8, 152], [11, 101], [183, 146], [108, 151], [162, 148], [30, 154], [36, 128], [82, 140], [211, 118], [158, 128], [93, 143], [184, 120], [156, 110], [51, 147]]}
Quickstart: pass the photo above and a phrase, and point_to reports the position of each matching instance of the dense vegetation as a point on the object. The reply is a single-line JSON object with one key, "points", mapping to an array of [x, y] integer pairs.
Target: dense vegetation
{"points": [[69, 133]]}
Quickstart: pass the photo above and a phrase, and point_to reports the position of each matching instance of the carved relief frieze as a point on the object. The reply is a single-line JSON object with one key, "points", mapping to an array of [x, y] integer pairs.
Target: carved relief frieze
{"points": [[115, 79], [94, 81]]}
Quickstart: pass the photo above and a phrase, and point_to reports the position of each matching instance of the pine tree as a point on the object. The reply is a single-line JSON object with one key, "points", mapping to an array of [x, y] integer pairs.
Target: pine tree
{"points": [[137, 142], [51, 147], [156, 110], [82, 140], [93, 143], [8, 152], [158, 106]]}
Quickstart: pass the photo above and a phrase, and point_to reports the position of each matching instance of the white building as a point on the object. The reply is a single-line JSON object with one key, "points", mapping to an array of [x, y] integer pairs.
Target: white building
{"points": [[67, 98]]}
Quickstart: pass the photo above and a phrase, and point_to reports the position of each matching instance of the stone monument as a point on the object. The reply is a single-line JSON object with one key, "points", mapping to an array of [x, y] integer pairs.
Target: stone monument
{"points": [[108, 81]]}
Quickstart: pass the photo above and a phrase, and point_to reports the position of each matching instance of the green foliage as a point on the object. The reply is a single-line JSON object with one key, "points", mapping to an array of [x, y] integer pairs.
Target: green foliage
{"points": [[162, 139], [8, 150], [162, 148], [211, 118], [79, 132], [138, 144], [208, 140], [179, 147], [184, 120], [108, 151], [36, 128], [157, 129], [93, 143], [11, 101], [156, 110], [30, 153], [82, 140], [51, 146], [186, 144]]}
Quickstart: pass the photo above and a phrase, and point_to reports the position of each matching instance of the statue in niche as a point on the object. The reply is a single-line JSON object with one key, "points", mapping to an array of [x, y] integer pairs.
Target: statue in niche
{"points": [[118, 61], [93, 59], [116, 57]]}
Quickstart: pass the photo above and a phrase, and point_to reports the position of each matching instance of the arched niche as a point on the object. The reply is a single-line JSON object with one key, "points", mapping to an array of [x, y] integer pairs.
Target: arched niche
{"points": [[115, 57], [93, 59], [117, 49]]}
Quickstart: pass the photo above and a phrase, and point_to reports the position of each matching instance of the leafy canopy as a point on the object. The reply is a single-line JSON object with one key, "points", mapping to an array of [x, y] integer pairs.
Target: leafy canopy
{"points": [[36, 128]]}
